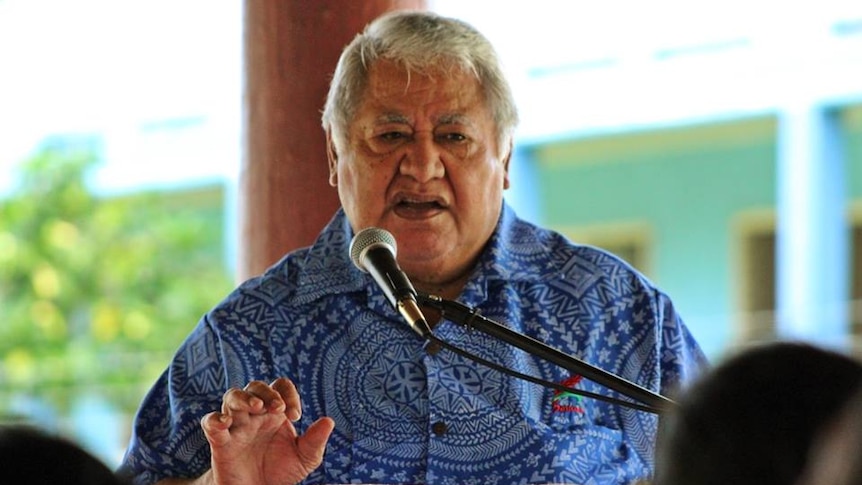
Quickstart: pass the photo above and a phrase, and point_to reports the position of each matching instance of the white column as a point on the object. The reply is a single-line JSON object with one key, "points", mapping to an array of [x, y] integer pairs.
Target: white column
{"points": [[812, 236]]}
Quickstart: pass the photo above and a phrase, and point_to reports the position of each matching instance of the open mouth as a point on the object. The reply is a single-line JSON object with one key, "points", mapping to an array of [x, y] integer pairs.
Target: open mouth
{"points": [[419, 206]]}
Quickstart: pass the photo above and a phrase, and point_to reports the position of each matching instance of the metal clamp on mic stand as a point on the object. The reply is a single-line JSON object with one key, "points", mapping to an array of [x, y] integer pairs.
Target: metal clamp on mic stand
{"points": [[470, 318]]}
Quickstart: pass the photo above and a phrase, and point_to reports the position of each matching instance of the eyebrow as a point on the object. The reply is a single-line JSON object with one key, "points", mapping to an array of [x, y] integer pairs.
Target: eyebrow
{"points": [[446, 119], [391, 118], [453, 119]]}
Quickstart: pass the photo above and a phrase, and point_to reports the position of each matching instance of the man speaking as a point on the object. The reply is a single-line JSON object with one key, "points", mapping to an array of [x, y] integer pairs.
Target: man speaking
{"points": [[309, 374]]}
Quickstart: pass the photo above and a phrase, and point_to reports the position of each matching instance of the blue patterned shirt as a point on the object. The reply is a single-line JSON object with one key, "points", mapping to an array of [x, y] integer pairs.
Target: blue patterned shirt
{"points": [[408, 413]]}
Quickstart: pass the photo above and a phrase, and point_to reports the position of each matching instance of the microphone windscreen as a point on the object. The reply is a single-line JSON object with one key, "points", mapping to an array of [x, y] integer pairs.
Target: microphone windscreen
{"points": [[368, 238]]}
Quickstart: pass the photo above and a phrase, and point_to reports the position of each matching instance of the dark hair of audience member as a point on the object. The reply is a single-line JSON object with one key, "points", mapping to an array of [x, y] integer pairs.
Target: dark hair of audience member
{"points": [[754, 417], [31, 456], [836, 458]]}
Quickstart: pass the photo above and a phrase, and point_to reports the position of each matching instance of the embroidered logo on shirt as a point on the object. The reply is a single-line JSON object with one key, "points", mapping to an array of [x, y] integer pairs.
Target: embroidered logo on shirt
{"points": [[567, 402]]}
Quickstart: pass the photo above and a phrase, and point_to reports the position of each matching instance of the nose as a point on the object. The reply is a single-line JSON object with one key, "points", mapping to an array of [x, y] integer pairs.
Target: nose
{"points": [[422, 160]]}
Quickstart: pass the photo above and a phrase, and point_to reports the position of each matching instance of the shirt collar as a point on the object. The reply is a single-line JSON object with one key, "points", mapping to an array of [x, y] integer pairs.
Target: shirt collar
{"points": [[516, 251]]}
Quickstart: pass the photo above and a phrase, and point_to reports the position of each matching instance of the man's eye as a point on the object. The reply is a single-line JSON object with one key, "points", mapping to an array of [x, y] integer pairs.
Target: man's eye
{"points": [[392, 136], [453, 137]]}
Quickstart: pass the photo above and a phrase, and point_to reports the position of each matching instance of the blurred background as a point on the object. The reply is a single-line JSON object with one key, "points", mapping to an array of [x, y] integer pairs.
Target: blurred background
{"points": [[717, 146]]}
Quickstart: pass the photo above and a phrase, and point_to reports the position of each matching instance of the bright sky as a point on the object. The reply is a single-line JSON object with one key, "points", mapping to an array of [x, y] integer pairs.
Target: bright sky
{"points": [[127, 67], [115, 66]]}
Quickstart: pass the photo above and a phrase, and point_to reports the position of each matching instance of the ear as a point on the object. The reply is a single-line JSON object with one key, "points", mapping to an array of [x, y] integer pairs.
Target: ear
{"points": [[332, 156], [506, 162]]}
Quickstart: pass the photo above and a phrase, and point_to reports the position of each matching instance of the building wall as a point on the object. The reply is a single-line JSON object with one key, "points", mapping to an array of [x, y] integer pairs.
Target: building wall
{"points": [[689, 196], [851, 122]]}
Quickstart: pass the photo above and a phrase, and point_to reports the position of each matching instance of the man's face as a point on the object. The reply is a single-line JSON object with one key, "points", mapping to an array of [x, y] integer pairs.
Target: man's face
{"points": [[420, 159]]}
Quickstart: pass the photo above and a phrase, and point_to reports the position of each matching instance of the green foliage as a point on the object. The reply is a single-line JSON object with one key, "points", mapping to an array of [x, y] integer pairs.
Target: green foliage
{"points": [[96, 293]]}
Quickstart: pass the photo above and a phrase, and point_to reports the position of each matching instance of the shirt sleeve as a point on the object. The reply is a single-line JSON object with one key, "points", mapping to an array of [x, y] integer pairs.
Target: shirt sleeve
{"points": [[682, 359], [167, 440]]}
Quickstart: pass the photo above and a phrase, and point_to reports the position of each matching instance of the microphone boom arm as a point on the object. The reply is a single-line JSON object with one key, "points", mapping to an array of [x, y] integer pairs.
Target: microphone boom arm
{"points": [[470, 318]]}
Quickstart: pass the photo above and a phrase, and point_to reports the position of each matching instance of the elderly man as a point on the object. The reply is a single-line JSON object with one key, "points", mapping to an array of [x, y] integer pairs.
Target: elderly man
{"points": [[419, 123]]}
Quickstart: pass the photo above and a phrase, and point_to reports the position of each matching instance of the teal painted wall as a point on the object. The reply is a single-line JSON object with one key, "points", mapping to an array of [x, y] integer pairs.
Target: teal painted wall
{"points": [[851, 123], [691, 186]]}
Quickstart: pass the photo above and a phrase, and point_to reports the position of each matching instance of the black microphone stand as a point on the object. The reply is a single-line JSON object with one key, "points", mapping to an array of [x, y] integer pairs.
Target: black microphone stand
{"points": [[470, 318]]}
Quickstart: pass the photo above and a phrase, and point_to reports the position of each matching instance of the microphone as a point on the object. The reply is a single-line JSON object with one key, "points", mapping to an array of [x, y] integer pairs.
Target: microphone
{"points": [[373, 250]]}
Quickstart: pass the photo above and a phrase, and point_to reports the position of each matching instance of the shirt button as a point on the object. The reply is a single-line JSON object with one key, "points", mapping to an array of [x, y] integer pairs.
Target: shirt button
{"points": [[433, 347], [439, 428]]}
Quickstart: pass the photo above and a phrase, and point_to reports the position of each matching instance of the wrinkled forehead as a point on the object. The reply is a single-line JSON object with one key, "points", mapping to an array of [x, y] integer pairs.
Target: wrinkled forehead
{"points": [[447, 97], [392, 79], [406, 74]]}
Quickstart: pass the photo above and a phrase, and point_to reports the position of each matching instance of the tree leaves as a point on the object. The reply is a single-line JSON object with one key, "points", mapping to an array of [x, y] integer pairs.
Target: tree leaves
{"points": [[99, 291]]}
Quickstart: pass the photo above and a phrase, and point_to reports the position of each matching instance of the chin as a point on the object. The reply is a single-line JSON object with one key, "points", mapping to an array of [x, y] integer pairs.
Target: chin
{"points": [[419, 254], [421, 240]]}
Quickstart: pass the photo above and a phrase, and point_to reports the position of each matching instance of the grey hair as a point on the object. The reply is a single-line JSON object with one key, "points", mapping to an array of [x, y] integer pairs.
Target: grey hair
{"points": [[422, 42]]}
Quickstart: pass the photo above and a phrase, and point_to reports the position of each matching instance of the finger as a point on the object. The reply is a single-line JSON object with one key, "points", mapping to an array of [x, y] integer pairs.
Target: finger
{"points": [[290, 396], [271, 398], [311, 445], [216, 428], [240, 401]]}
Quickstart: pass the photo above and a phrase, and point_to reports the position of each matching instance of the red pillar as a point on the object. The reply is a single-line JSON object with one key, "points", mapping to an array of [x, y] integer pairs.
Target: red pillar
{"points": [[290, 51]]}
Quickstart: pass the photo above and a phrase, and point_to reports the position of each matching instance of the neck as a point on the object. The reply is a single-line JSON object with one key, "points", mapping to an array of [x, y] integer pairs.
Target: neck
{"points": [[448, 290]]}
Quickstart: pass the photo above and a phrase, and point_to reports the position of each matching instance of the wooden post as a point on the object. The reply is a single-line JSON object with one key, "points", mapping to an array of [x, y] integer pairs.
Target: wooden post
{"points": [[290, 51]]}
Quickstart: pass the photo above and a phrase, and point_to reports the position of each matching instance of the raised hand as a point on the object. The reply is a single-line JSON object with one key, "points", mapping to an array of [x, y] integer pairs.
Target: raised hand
{"points": [[254, 442]]}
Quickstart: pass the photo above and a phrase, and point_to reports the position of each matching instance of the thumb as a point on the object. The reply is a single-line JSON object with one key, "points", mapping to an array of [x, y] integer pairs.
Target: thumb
{"points": [[311, 445]]}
